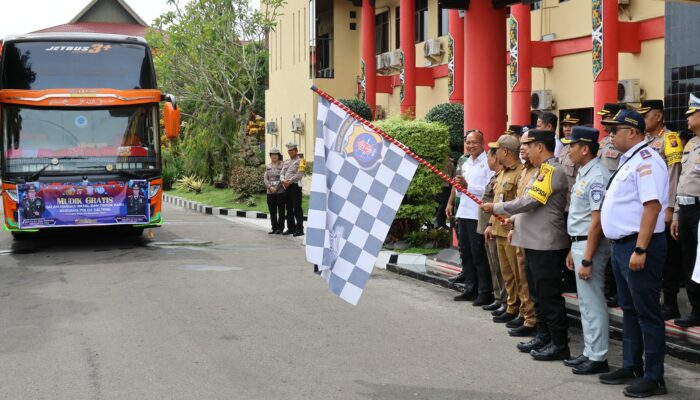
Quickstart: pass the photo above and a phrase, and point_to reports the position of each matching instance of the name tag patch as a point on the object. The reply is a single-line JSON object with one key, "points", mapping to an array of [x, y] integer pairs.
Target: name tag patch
{"points": [[612, 154]]}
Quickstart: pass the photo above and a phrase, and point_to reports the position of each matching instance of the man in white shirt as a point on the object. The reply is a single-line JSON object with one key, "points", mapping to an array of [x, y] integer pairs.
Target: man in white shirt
{"points": [[632, 218], [473, 173]]}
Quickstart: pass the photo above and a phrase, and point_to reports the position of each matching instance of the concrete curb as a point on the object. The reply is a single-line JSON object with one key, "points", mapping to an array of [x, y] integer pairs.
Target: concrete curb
{"points": [[211, 210]]}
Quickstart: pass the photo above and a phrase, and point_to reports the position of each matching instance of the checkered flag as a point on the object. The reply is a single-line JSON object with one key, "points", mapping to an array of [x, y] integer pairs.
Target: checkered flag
{"points": [[359, 180]]}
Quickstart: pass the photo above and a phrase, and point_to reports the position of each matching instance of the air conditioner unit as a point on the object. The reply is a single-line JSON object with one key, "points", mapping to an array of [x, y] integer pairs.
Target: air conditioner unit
{"points": [[629, 91], [623, 2], [297, 125], [541, 100], [432, 48], [383, 62], [271, 127], [395, 59]]}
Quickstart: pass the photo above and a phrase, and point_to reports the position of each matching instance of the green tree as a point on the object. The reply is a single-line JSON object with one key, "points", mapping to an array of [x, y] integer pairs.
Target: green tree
{"points": [[212, 55], [452, 115], [359, 107]]}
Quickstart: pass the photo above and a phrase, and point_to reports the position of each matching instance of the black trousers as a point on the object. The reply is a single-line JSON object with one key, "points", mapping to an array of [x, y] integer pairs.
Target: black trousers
{"points": [[688, 218], [544, 278], [673, 270], [475, 265], [276, 203], [443, 197], [295, 215]]}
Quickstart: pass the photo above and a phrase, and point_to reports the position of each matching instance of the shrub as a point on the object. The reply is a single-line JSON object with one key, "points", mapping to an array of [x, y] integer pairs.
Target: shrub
{"points": [[190, 183], [360, 108], [451, 115], [428, 140], [247, 181]]}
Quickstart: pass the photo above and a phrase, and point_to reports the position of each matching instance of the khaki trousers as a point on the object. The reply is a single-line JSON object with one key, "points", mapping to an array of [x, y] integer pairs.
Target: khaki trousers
{"points": [[499, 289], [527, 306], [516, 283]]}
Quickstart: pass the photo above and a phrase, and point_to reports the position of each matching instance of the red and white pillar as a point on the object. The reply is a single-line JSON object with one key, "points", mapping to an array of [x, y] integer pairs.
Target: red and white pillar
{"points": [[605, 55], [407, 37], [456, 32], [369, 51], [521, 90], [485, 102]]}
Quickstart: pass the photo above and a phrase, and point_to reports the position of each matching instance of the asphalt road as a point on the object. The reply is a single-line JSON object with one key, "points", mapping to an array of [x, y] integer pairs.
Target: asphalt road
{"points": [[211, 308]]}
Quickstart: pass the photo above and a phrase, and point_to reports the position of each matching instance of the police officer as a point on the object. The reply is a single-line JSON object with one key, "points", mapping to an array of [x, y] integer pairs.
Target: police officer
{"points": [[608, 154], [541, 227], [669, 146], [276, 197], [567, 125], [520, 313], [291, 175], [632, 218], [136, 201], [549, 122], [590, 252], [32, 206], [687, 212]]}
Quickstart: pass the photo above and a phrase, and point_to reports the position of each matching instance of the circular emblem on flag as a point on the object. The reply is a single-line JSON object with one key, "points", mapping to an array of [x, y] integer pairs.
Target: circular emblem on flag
{"points": [[81, 121], [364, 146]]}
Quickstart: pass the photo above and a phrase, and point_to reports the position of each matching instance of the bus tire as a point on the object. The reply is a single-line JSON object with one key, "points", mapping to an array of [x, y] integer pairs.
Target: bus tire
{"points": [[17, 236], [136, 232]]}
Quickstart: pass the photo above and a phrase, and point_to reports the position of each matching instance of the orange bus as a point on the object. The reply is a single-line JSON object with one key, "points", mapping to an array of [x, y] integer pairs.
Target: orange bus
{"points": [[81, 132]]}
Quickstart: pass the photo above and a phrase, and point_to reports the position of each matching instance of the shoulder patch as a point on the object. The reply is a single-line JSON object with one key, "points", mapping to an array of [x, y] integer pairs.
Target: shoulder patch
{"points": [[541, 189], [597, 192], [645, 154]]}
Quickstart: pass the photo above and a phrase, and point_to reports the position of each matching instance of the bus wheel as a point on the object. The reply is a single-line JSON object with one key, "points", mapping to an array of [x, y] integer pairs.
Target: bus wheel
{"points": [[136, 232], [17, 236]]}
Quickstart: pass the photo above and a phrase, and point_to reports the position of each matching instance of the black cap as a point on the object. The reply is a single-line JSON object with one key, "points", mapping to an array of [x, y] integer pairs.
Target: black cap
{"points": [[611, 109], [582, 134], [571, 118], [648, 105], [627, 117], [538, 135]]}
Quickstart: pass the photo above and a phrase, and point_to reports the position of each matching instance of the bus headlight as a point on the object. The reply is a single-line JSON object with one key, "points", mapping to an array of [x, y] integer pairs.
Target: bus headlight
{"points": [[12, 193], [153, 190]]}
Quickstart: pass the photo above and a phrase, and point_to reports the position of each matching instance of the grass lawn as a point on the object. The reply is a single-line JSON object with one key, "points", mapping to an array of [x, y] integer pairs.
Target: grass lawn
{"points": [[225, 198], [416, 250]]}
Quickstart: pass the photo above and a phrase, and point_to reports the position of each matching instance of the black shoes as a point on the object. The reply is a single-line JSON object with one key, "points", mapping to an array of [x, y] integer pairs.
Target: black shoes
{"points": [[500, 310], [272, 232], [466, 296], [620, 376], [503, 318], [551, 352], [645, 388], [537, 343], [279, 231], [298, 233], [687, 321], [670, 311], [460, 278], [611, 301], [591, 367], [522, 331], [288, 232], [492, 307], [575, 361], [516, 322], [483, 300]]}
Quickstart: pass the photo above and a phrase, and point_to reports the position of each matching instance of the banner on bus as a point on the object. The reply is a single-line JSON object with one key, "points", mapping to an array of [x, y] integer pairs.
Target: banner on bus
{"points": [[43, 205]]}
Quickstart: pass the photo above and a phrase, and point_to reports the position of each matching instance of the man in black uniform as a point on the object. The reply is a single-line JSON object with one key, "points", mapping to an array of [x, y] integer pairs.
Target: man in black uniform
{"points": [[32, 206], [136, 201]]}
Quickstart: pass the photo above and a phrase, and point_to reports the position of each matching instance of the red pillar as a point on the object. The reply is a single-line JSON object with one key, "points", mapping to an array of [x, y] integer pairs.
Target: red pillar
{"points": [[522, 88], [408, 47], [456, 31], [605, 55], [484, 69], [369, 50]]}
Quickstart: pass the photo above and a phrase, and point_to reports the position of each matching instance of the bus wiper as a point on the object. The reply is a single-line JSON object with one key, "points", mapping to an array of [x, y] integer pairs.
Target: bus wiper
{"points": [[110, 169], [54, 161]]}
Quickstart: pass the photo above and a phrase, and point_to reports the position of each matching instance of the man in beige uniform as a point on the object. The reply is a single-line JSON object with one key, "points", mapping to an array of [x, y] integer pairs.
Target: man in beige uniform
{"points": [[687, 213], [520, 315], [608, 154], [668, 145], [540, 228]]}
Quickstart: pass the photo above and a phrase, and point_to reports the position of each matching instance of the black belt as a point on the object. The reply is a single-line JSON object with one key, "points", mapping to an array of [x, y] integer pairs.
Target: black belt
{"points": [[625, 239], [578, 238]]}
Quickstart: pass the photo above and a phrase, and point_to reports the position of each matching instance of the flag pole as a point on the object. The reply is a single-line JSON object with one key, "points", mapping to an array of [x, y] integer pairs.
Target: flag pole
{"points": [[403, 147]]}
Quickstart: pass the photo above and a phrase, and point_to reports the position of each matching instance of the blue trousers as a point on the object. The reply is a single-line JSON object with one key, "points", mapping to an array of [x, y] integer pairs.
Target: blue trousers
{"points": [[638, 293]]}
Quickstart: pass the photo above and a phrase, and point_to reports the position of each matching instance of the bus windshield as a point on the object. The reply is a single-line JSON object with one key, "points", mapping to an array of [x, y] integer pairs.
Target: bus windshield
{"points": [[38, 65], [122, 138]]}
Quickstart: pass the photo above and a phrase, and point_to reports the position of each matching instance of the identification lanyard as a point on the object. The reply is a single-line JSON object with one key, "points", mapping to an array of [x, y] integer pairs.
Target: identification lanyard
{"points": [[623, 164]]}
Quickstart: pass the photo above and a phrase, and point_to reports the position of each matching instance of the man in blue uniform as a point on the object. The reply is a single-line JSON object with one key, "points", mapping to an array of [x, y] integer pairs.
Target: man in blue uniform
{"points": [[632, 218]]}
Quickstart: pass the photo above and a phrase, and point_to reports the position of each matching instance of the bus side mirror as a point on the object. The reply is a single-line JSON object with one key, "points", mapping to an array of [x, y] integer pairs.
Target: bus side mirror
{"points": [[172, 119]]}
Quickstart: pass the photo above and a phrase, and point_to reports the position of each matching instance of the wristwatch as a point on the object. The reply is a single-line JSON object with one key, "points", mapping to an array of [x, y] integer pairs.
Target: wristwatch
{"points": [[639, 250], [586, 263]]}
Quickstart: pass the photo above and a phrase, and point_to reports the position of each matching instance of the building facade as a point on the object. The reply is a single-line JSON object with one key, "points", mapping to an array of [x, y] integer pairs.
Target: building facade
{"points": [[506, 61]]}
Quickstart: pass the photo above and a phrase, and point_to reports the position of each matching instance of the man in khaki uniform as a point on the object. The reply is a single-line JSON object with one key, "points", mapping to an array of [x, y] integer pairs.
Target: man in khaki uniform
{"points": [[608, 154], [291, 175], [520, 313], [540, 228], [669, 146], [687, 213]]}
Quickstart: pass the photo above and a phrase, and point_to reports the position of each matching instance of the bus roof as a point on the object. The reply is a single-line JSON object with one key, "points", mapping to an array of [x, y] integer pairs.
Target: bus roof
{"points": [[58, 36]]}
